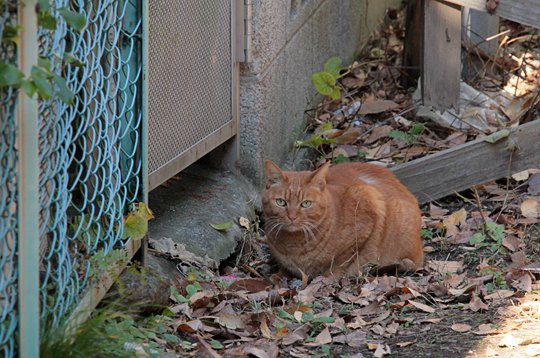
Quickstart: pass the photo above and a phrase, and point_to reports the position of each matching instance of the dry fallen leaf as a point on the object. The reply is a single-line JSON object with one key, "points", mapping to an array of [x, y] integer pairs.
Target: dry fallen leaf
{"points": [[445, 267], [322, 338], [456, 218], [499, 295], [244, 222], [307, 294], [422, 306], [261, 349], [250, 285], [530, 208], [461, 327], [356, 338], [382, 350], [231, 321], [377, 106], [521, 176], [485, 329], [405, 344]]}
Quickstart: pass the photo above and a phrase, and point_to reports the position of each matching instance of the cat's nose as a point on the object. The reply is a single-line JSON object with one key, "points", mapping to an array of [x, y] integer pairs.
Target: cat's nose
{"points": [[292, 215]]}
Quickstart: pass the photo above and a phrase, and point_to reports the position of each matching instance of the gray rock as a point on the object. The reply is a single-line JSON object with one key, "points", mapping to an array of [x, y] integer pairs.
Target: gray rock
{"points": [[202, 196]]}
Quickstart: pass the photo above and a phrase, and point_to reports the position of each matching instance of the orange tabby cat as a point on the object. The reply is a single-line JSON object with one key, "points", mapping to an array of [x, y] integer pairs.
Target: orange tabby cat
{"points": [[336, 220]]}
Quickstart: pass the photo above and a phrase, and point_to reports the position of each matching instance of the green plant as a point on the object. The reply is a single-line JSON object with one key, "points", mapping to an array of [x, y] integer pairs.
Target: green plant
{"points": [[319, 138], [326, 81], [41, 80], [102, 262], [111, 331], [491, 236], [191, 289], [408, 137], [497, 280], [340, 158], [426, 234]]}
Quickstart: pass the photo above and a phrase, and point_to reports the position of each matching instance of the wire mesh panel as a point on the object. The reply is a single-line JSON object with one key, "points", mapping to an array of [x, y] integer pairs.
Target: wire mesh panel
{"points": [[8, 194], [190, 76], [90, 165], [89, 150]]}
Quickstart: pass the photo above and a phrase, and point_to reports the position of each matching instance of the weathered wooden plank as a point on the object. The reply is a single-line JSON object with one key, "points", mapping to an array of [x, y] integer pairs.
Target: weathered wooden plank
{"points": [[526, 12], [477, 162], [96, 292], [442, 55]]}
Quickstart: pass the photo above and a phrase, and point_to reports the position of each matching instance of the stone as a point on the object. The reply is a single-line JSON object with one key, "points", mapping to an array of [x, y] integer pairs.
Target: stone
{"points": [[186, 207]]}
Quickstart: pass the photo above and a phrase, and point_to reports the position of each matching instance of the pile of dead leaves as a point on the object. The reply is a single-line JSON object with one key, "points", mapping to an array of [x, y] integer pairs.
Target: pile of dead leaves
{"points": [[377, 119], [478, 288]]}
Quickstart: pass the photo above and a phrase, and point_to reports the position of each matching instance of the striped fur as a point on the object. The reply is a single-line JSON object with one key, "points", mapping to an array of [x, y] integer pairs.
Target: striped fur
{"points": [[338, 220]]}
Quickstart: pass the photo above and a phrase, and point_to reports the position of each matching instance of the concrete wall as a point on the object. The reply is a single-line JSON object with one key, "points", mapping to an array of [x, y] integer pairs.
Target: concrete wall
{"points": [[291, 40]]}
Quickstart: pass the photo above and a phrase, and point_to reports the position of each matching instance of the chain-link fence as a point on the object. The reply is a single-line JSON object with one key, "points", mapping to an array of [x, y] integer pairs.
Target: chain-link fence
{"points": [[90, 153]]}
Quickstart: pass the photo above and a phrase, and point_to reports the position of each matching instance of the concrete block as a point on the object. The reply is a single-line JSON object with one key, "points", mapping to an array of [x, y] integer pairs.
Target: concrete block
{"points": [[291, 40], [202, 196]]}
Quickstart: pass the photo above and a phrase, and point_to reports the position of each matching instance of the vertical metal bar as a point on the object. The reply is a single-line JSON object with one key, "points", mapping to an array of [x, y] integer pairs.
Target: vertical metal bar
{"points": [[28, 204], [144, 124]]}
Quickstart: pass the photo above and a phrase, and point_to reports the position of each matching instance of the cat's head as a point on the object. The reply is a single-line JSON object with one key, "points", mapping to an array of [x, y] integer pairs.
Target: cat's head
{"points": [[294, 201]]}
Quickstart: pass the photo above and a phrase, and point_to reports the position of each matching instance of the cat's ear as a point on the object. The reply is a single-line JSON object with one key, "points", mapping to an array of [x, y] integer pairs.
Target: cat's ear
{"points": [[272, 173], [318, 177]]}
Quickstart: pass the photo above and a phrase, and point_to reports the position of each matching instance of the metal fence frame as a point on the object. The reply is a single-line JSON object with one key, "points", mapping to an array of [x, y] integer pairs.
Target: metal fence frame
{"points": [[122, 108], [31, 128]]}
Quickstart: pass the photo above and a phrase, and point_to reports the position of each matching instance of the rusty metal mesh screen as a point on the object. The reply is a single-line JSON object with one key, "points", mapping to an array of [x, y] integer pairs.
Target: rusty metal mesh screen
{"points": [[190, 77]]}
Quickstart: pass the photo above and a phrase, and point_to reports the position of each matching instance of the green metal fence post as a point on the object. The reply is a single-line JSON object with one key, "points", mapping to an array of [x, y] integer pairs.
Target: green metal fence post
{"points": [[28, 182]]}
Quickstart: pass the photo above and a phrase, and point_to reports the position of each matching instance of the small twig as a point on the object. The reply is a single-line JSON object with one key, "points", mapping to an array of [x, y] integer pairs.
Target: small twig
{"points": [[479, 205], [467, 200], [252, 270]]}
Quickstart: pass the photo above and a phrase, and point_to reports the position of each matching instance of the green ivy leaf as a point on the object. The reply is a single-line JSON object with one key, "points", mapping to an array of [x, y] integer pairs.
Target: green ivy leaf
{"points": [[426, 234], [333, 66], [216, 344], [222, 226], [43, 85], [336, 93], [324, 82], [191, 290], [73, 19], [399, 135], [28, 87], [44, 5], [63, 91], [44, 63], [340, 158], [69, 59], [46, 20], [323, 320], [10, 75], [170, 338], [477, 238], [11, 33], [417, 129]]}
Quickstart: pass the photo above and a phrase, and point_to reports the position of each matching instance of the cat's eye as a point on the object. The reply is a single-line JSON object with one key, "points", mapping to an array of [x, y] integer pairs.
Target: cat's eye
{"points": [[281, 202], [306, 204]]}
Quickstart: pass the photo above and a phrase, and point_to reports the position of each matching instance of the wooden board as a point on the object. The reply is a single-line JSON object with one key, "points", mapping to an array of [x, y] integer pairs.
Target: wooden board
{"points": [[477, 162], [526, 12], [95, 293], [442, 55]]}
